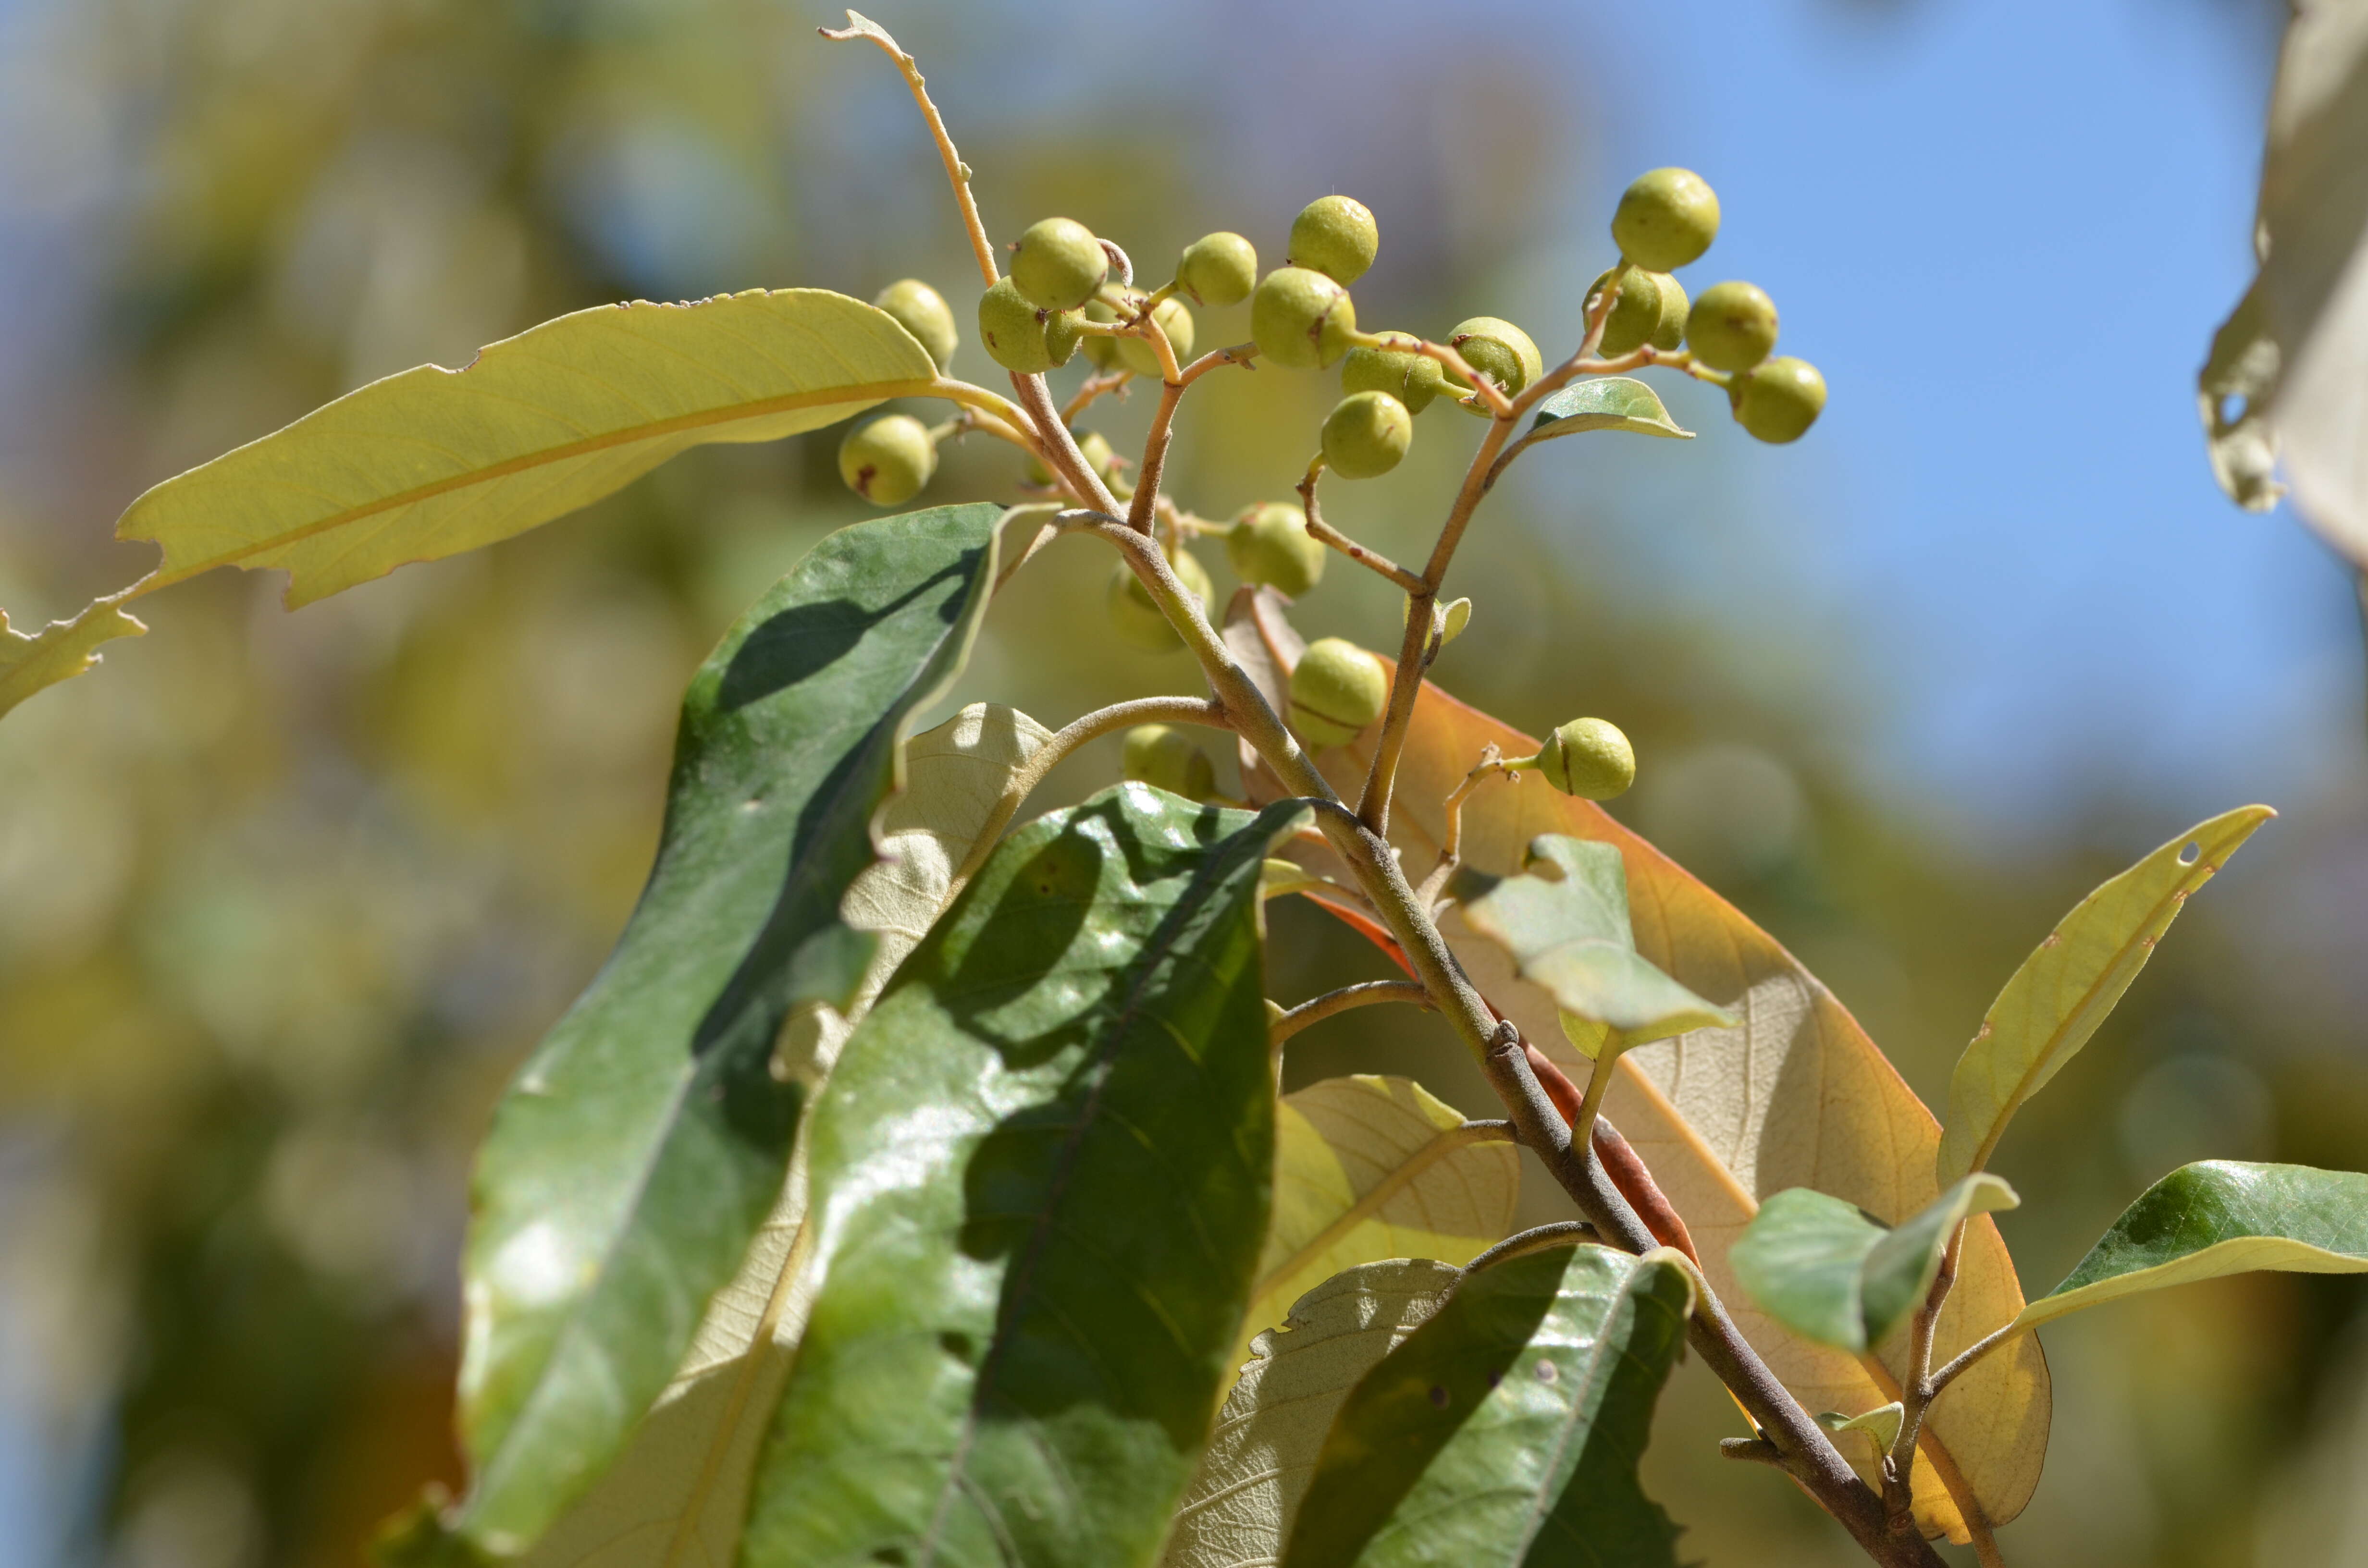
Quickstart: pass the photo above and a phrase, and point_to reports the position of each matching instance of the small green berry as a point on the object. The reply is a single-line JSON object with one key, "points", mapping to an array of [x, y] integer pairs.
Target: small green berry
{"points": [[1498, 351], [1589, 758], [923, 311], [1636, 314], [1335, 235], [1732, 326], [1301, 319], [1366, 434], [1136, 353], [1100, 350], [1058, 264], [1778, 400], [1138, 619], [1020, 337], [1269, 544], [888, 460], [1412, 379], [1337, 689], [1675, 307], [1665, 219], [1218, 269], [1166, 759]]}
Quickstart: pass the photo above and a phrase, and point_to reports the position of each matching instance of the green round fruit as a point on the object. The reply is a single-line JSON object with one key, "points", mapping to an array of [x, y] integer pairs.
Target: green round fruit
{"points": [[1269, 545], [1058, 264], [1020, 337], [1366, 434], [1412, 379], [1635, 314], [1498, 351], [1335, 235], [923, 311], [1675, 308], [1589, 758], [1732, 326], [1167, 759], [888, 460], [1301, 319], [1337, 689], [1138, 619], [1101, 351], [1136, 354], [1778, 400], [1665, 219], [1218, 269]]}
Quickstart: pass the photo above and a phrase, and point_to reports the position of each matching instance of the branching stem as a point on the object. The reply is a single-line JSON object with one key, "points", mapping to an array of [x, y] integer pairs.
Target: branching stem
{"points": [[957, 171], [1317, 1009], [1326, 533], [1561, 1233]]}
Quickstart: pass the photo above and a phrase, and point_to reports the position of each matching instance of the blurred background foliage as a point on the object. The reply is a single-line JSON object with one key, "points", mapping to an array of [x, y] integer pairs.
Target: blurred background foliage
{"points": [[282, 898]]}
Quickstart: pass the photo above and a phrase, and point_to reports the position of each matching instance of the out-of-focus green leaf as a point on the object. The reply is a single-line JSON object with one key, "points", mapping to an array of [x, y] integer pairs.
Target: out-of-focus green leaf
{"points": [[676, 1496], [1041, 1176], [2220, 1217], [1565, 921], [1368, 1168], [2070, 983], [1822, 1268], [1606, 403], [645, 1138], [1506, 1429], [1238, 1511], [60, 650], [433, 462]]}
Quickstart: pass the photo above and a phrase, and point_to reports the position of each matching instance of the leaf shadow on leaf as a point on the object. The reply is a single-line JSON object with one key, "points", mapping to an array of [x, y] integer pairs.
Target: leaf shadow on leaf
{"points": [[806, 639]]}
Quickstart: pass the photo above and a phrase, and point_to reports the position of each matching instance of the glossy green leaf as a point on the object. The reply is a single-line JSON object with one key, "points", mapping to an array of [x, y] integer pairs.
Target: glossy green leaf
{"points": [[2070, 983], [433, 462], [645, 1138], [1368, 1168], [2221, 1217], [1565, 921], [1820, 1267], [1041, 1176], [60, 651], [1606, 403], [1239, 1508], [1506, 1429]]}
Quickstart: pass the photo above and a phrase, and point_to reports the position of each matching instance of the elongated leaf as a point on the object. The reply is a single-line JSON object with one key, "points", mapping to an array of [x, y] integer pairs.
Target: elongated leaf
{"points": [[433, 462], [2065, 987], [646, 1138], [1565, 921], [60, 651], [1607, 403], [2220, 1217], [1041, 1176], [1239, 1508], [1506, 1430], [1795, 1096], [1368, 1168], [677, 1495], [1823, 1269]]}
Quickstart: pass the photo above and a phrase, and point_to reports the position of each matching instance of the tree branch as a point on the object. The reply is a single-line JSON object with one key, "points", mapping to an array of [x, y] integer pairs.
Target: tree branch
{"points": [[1317, 1009]]}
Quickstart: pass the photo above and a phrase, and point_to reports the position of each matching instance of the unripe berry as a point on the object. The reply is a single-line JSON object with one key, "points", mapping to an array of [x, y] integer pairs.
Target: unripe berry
{"points": [[1335, 235], [1270, 544], [1732, 326], [1666, 219], [1139, 619], [888, 460], [1412, 379], [1301, 319], [923, 311], [1166, 759], [1498, 351], [1218, 269], [1337, 689], [1636, 314], [1589, 758], [1366, 434], [1778, 400], [1675, 308], [1058, 264], [1136, 353], [1020, 337], [1100, 350]]}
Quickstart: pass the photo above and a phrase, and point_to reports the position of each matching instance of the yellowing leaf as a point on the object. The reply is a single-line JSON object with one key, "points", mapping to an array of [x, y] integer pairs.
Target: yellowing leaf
{"points": [[60, 650], [677, 1496], [2054, 1002], [433, 462], [1375, 1167], [1795, 1096]]}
